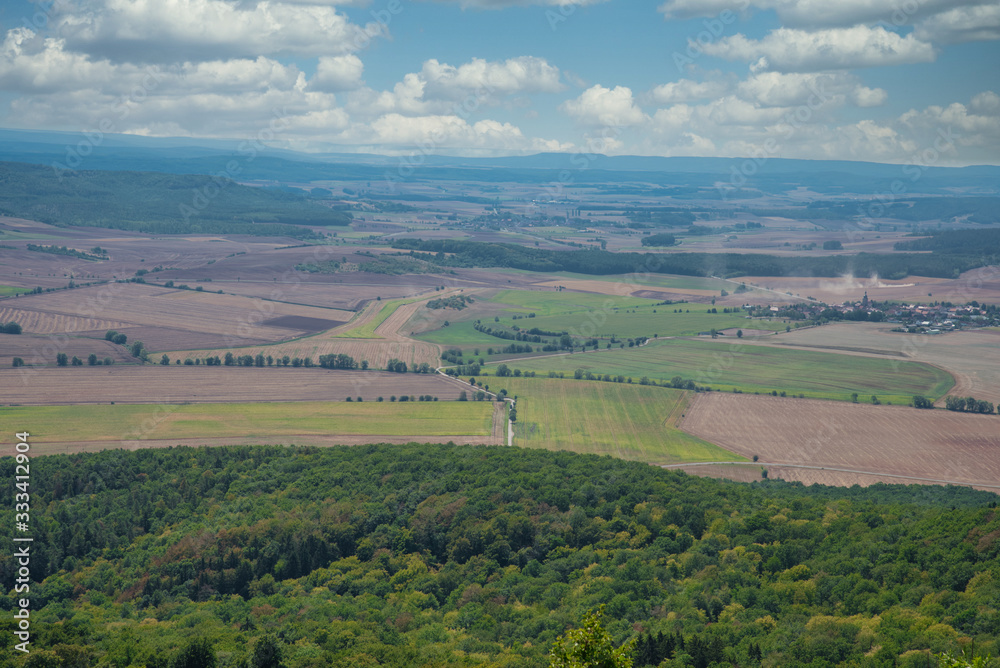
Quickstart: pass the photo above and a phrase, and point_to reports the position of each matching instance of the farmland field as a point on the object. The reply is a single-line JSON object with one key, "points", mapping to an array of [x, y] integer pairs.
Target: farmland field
{"points": [[201, 384], [724, 366], [933, 444], [589, 315], [142, 312], [42, 350], [144, 424], [627, 421], [378, 325], [972, 356]]}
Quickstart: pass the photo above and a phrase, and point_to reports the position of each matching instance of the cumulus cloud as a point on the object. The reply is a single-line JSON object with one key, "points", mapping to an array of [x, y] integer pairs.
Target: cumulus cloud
{"points": [[525, 74], [504, 4], [337, 73], [442, 89], [687, 90], [191, 30], [814, 14], [604, 106], [791, 50], [780, 89], [962, 24]]}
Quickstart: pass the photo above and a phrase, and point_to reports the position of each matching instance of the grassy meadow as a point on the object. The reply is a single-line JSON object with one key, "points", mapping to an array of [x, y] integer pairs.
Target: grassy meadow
{"points": [[748, 368], [113, 423], [625, 421]]}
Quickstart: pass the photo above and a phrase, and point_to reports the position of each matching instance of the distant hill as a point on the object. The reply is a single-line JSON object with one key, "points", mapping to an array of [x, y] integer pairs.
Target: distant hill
{"points": [[202, 156], [157, 203]]}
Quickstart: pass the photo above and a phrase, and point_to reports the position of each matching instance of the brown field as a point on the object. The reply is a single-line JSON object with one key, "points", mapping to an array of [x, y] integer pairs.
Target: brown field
{"points": [[377, 351], [42, 350], [935, 445], [162, 317], [972, 356], [201, 384]]}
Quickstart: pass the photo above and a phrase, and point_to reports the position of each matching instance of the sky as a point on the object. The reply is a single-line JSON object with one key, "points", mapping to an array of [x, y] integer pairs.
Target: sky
{"points": [[898, 81]]}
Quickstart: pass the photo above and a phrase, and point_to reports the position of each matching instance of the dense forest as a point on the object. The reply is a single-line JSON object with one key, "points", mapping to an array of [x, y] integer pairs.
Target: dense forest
{"points": [[462, 556], [456, 253], [967, 242], [158, 203]]}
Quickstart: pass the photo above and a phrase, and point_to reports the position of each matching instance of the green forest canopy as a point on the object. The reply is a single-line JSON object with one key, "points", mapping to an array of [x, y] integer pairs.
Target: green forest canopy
{"points": [[453, 555]]}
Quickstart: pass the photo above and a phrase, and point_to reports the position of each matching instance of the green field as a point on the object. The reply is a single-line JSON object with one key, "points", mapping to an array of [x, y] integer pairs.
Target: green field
{"points": [[543, 303], [587, 315], [750, 368], [648, 321], [626, 421], [254, 420], [10, 290]]}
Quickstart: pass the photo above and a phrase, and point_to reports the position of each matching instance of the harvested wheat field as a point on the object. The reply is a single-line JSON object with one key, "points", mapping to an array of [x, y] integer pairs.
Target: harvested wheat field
{"points": [[936, 445], [200, 384], [377, 328], [143, 310]]}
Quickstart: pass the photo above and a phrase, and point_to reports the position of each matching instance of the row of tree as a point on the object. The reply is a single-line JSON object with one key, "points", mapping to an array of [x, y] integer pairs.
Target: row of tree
{"points": [[968, 405]]}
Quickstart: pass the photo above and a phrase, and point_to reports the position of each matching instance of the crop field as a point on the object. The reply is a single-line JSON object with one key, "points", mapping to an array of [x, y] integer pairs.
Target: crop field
{"points": [[144, 424], [147, 308], [972, 356], [543, 303], [648, 321], [627, 421], [380, 312], [42, 350], [125, 384], [10, 290], [378, 323], [749, 368], [936, 445]]}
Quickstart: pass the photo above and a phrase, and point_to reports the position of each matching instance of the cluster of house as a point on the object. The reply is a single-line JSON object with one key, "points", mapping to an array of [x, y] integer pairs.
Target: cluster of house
{"points": [[932, 318]]}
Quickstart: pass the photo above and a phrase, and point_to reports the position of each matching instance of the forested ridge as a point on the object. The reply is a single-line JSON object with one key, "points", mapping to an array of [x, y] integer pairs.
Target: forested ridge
{"points": [[157, 203], [457, 253], [459, 556]]}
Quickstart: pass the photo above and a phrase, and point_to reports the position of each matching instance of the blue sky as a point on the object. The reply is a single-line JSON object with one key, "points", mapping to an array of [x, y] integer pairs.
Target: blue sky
{"points": [[899, 81]]}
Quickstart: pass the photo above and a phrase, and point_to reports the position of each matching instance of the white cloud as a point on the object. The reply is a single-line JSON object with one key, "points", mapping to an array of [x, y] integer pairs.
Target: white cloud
{"points": [[779, 89], [813, 14], [790, 50], [603, 106], [566, 5], [192, 30], [525, 74], [442, 89], [337, 73], [447, 132], [962, 24], [687, 90], [862, 96]]}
